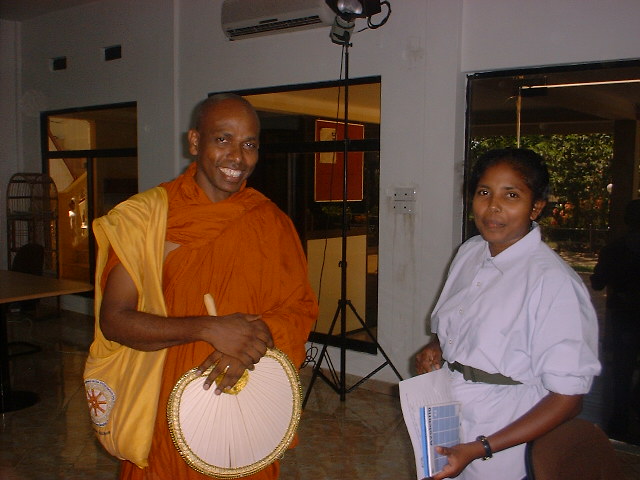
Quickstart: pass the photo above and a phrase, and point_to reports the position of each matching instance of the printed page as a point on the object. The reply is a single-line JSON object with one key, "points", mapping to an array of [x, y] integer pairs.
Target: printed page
{"points": [[431, 388]]}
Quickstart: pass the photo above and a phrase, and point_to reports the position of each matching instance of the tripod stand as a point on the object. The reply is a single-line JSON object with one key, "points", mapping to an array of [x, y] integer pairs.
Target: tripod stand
{"points": [[339, 383]]}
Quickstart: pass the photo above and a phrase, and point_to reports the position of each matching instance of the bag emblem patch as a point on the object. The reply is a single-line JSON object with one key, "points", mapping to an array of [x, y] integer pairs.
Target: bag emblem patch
{"points": [[101, 399]]}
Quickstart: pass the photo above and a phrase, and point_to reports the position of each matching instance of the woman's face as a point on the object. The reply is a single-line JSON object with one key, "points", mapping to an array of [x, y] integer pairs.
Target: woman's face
{"points": [[503, 207]]}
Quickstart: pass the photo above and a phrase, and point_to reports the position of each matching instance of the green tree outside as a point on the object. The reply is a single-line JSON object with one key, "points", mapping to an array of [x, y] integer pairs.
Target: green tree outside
{"points": [[579, 167]]}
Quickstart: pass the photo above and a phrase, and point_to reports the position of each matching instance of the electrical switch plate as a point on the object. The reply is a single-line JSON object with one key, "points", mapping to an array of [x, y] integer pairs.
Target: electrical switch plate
{"points": [[404, 199]]}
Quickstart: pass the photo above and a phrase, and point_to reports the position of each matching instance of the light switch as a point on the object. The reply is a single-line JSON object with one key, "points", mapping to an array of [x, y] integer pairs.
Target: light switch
{"points": [[404, 199]]}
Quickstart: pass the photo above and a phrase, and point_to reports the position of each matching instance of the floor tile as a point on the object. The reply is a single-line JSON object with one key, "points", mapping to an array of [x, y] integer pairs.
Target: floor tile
{"points": [[363, 437]]}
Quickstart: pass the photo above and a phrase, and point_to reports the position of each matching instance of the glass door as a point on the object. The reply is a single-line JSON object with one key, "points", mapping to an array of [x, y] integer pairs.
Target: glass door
{"points": [[301, 169], [91, 156]]}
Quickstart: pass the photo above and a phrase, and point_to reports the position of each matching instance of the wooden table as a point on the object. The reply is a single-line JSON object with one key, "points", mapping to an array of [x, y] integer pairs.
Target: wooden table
{"points": [[15, 287]]}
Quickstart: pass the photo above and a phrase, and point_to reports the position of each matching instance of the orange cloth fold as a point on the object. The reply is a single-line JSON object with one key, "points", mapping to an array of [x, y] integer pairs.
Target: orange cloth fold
{"points": [[247, 254]]}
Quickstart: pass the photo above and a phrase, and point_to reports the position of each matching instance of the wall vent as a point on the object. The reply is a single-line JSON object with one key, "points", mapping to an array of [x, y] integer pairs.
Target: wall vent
{"points": [[58, 63], [113, 52]]}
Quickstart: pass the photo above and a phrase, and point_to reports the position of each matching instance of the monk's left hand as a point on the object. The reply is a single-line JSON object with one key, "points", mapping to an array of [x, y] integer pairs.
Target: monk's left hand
{"points": [[243, 336]]}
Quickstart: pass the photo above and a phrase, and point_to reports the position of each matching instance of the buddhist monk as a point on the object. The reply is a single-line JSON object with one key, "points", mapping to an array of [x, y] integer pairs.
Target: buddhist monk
{"points": [[220, 238]]}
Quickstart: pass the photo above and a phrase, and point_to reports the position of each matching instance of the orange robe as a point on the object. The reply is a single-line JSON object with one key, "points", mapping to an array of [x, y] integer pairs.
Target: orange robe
{"points": [[247, 254]]}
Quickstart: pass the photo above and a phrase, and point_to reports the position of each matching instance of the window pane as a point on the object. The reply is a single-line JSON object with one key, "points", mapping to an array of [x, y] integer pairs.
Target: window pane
{"points": [[89, 185], [70, 177], [301, 169], [93, 129], [584, 120]]}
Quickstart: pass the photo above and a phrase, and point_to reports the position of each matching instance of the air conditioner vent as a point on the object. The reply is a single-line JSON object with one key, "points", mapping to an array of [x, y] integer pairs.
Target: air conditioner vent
{"points": [[272, 25], [250, 18]]}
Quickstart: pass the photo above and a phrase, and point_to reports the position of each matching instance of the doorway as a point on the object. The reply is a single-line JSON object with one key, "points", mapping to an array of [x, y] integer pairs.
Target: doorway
{"points": [[91, 155]]}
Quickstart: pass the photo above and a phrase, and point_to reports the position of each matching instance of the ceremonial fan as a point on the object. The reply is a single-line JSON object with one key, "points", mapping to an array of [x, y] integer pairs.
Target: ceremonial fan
{"points": [[241, 431]]}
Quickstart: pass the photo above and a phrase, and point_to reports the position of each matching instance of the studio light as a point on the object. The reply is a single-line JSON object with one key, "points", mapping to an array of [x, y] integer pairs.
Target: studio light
{"points": [[346, 13], [341, 30], [350, 9]]}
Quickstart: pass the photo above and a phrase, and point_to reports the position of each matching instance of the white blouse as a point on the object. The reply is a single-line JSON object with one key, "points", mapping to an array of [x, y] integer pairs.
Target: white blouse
{"points": [[525, 314]]}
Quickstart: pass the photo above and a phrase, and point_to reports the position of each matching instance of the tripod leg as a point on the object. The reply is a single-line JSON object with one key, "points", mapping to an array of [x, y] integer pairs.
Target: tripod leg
{"points": [[318, 365], [375, 341]]}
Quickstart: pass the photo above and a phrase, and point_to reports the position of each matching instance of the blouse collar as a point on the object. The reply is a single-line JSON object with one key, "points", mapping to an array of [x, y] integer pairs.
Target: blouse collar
{"points": [[521, 248]]}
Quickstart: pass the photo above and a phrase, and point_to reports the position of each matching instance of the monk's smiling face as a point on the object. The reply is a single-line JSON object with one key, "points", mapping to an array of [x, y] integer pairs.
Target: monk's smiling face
{"points": [[225, 144]]}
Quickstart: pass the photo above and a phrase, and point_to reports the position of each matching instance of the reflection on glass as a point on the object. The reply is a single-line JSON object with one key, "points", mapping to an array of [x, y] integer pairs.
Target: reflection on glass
{"points": [[301, 169], [90, 185], [584, 120], [93, 129], [70, 177]]}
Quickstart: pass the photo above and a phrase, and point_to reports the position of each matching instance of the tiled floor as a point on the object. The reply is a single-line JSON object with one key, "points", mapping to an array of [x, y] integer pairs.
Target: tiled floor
{"points": [[361, 438]]}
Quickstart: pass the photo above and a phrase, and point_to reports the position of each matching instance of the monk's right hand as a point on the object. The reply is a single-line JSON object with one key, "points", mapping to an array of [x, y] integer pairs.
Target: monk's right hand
{"points": [[225, 373], [429, 358], [242, 336]]}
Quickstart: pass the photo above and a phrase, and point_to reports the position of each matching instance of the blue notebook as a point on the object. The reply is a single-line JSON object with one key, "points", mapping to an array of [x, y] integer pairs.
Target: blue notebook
{"points": [[431, 416], [440, 426]]}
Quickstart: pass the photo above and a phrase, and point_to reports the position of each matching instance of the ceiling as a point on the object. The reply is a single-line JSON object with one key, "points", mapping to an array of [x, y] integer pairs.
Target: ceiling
{"points": [[21, 10], [562, 109], [327, 102]]}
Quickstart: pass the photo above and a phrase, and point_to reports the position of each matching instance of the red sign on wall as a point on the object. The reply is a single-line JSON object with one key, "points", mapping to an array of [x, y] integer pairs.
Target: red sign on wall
{"points": [[329, 166]]}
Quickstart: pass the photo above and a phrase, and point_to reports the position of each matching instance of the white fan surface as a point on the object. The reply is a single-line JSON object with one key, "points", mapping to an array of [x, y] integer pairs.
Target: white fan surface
{"points": [[229, 435], [236, 430]]}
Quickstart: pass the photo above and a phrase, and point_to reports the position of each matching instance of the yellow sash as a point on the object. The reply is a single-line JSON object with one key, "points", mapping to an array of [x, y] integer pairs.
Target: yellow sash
{"points": [[123, 384]]}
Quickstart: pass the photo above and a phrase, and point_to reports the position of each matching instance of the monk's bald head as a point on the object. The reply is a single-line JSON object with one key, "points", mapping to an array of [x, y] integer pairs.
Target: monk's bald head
{"points": [[208, 106]]}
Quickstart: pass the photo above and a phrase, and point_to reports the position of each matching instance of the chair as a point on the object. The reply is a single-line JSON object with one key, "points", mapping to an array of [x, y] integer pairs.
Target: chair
{"points": [[575, 450], [29, 259]]}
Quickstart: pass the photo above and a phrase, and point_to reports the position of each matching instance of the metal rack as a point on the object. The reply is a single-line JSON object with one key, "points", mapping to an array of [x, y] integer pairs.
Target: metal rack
{"points": [[32, 217]]}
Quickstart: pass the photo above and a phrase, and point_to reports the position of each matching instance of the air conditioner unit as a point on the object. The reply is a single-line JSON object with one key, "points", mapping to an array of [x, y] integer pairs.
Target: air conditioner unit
{"points": [[251, 18]]}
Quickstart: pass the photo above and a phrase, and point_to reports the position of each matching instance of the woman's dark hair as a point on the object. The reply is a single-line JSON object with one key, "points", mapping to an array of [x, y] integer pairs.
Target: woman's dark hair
{"points": [[528, 163]]}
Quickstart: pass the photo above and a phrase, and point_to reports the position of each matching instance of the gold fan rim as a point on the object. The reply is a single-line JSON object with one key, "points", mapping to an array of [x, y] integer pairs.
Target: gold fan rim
{"points": [[202, 466]]}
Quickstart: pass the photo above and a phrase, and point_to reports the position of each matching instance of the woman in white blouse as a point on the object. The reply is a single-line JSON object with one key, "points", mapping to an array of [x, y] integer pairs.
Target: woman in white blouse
{"points": [[514, 323]]}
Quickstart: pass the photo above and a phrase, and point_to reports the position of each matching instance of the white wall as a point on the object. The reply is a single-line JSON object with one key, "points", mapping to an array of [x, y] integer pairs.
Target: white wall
{"points": [[174, 54], [145, 73], [9, 158], [517, 33]]}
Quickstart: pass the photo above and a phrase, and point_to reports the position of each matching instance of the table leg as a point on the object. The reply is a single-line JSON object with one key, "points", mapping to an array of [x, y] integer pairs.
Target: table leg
{"points": [[10, 400]]}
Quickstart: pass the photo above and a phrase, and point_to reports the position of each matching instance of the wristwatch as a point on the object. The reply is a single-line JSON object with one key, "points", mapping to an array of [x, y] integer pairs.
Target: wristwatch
{"points": [[487, 448]]}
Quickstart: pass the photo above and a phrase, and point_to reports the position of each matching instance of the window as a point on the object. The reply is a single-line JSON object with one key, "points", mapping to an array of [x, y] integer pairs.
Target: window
{"points": [[583, 120], [91, 156], [301, 169]]}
